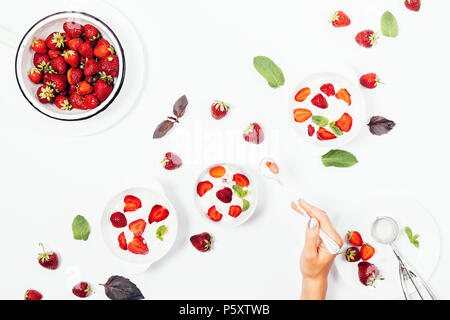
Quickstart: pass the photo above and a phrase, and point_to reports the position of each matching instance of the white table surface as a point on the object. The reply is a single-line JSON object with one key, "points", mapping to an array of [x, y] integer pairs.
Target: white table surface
{"points": [[204, 49]]}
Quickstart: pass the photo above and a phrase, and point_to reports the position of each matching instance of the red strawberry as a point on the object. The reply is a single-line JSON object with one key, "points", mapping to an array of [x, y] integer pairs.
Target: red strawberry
{"points": [[203, 187], [367, 251], [219, 109], [302, 95], [132, 203], [74, 44], [61, 102], [84, 88], [91, 32], [56, 41], [368, 273], [254, 134], [92, 79], [171, 161], [73, 29], [235, 211], [74, 76], [59, 65], [369, 80], [225, 195], [118, 220], [352, 254], [45, 94], [311, 130], [324, 134], [122, 241], [301, 115], [41, 60], [158, 214], [103, 49], [354, 237], [138, 246], [137, 227], [202, 242], [241, 180], [328, 89], [39, 46], [214, 214], [345, 123], [319, 101], [102, 90], [53, 53], [91, 67], [86, 50], [345, 96], [71, 57], [72, 89], [48, 260], [340, 19], [82, 290], [366, 38], [90, 101], [413, 5], [33, 295], [110, 65], [35, 75], [57, 81], [77, 101]]}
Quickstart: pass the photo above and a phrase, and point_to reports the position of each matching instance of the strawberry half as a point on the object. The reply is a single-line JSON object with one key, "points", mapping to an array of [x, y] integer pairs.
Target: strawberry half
{"points": [[367, 252], [301, 115], [203, 187], [345, 123], [214, 214], [138, 246], [354, 237], [328, 89], [324, 134], [202, 242], [344, 95], [217, 172], [157, 214], [235, 211], [132, 203], [137, 227], [319, 101], [302, 95], [122, 241], [241, 180]]}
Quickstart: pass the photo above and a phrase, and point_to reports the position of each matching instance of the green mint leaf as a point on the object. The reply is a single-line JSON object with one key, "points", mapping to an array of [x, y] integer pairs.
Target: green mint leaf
{"points": [[269, 70], [389, 25], [239, 191], [245, 205], [339, 158], [412, 237], [416, 244], [320, 121], [408, 232], [80, 228], [335, 129], [160, 232], [415, 237]]}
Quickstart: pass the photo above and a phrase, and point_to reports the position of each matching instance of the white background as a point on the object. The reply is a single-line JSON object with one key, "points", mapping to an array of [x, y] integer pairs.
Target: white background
{"points": [[204, 49]]}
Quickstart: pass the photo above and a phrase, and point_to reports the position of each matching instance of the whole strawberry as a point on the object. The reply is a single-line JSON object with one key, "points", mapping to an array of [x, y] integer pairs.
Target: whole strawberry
{"points": [[413, 5], [35, 75], [254, 134], [91, 32], [39, 46], [61, 102], [56, 41], [45, 94], [171, 161], [73, 29], [202, 242], [352, 254], [340, 19], [219, 109], [110, 65], [370, 80], [71, 57], [41, 60], [82, 290], [354, 237], [102, 90], [59, 65], [48, 260], [90, 101], [366, 38], [85, 49], [33, 295], [368, 273]]}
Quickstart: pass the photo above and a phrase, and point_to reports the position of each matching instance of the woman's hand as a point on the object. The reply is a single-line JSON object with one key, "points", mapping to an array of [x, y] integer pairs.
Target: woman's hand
{"points": [[316, 261]]}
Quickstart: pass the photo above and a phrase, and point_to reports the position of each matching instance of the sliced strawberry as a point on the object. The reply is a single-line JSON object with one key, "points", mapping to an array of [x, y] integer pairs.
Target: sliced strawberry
{"points": [[203, 187], [301, 115], [235, 211], [367, 252], [319, 101], [311, 130], [303, 94], [344, 95], [137, 227], [122, 241], [354, 237], [138, 246], [241, 180], [132, 203], [345, 123], [324, 134], [214, 214], [157, 214], [328, 89], [217, 172], [273, 167]]}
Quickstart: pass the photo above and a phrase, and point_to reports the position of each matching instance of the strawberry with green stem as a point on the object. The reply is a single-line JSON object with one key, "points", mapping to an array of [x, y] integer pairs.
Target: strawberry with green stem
{"points": [[219, 109], [366, 38], [171, 161], [82, 290], [48, 260], [202, 242], [370, 80], [340, 19]]}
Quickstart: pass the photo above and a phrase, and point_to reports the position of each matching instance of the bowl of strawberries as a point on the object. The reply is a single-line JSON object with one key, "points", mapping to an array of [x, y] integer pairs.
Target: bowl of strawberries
{"points": [[70, 66]]}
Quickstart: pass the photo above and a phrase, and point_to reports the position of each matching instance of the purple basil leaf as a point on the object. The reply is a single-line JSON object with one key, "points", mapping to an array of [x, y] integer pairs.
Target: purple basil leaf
{"points": [[380, 125], [162, 129], [180, 106], [120, 288]]}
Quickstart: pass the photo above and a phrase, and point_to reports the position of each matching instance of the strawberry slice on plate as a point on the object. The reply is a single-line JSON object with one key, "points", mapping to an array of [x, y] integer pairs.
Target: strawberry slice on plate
{"points": [[324, 134], [137, 227], [214, 214], [158, 214], [328, 89], [302, 95], [138, 246], [345, 123], [217, 172], [122, 241], [241, 180], [235, 211], [344, 95], [301, 115], [319, 101], [132, 203], [203, 187]]}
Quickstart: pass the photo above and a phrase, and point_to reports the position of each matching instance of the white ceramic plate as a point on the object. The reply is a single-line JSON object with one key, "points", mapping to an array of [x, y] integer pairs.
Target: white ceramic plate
{"points": [[336, 108], [407, 212], [210, 199]]}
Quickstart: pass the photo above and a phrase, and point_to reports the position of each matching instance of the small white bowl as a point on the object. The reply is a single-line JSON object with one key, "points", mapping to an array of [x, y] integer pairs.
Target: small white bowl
{"points": [[24, 63]]}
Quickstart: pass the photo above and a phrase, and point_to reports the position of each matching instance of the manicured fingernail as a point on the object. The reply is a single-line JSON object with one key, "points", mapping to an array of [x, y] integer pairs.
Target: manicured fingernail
{"points": [[313, 223]]}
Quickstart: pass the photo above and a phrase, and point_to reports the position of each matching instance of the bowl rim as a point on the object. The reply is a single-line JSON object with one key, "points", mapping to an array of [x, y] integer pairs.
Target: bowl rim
{"points": [[119, 85]]}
